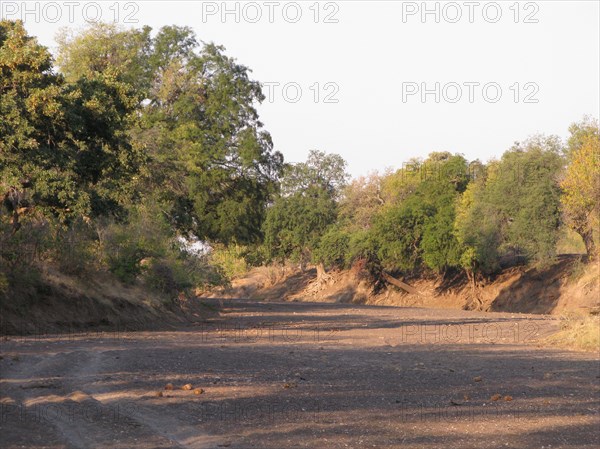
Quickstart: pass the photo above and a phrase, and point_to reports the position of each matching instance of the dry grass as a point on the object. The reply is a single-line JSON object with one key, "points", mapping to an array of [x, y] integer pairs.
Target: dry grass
{"points": [[578, 332]]}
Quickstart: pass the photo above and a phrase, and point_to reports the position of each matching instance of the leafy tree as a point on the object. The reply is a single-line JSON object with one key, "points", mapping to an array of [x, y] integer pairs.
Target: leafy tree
{"points": [[307, 207], [360, 202], [107, 49], [321, 170], [420, 229], [295, 223], [333, 248], [212, 158], [478, 231], [581, 183], [211, 164], [396, 235], [526, 195], [513, 208], [63, 146]]}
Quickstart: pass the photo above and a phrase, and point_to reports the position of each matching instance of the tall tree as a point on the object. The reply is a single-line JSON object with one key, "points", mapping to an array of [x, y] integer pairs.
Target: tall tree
{"points": [[212, 165], [306, 208], [321, 170], [107, 49], [419, 229], [63, 146], [581, 183]]}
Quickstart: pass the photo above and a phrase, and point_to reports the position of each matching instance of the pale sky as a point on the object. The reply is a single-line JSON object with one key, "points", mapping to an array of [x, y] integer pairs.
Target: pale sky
{"points": [[373, 59]]}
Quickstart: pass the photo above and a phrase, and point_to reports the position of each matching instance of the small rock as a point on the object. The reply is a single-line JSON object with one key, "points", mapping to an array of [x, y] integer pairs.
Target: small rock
{"points": [[477, 379], [198, 391], [496, 397], [169, 387], [508, 398], [187, 387]]}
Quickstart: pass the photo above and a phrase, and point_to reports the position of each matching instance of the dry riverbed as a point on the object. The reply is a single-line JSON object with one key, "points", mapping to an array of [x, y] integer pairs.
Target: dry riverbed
{"points": [[304, 375]]}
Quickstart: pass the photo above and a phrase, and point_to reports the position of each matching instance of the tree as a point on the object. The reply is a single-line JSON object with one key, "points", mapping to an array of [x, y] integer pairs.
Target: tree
{"points": [[321, 170], [333, 248], [63, 146], [513, 208], [211, 164], [214, 161], [419, 230], [107, 49], [359, 202], [477, 228], [295, 223], [581, 183], [526, 195], [306, 208]]}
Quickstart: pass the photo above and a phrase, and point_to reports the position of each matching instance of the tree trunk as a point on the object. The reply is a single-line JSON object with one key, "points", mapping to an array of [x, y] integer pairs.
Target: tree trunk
{"points": [[588, 239], [320, 271], [392, 280]]}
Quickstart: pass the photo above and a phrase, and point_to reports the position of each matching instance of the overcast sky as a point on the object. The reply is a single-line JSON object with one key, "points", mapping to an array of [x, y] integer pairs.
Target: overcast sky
{"points": [[349, 76]]}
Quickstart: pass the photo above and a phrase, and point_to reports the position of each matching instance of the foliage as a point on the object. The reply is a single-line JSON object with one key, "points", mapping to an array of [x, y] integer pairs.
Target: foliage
{"points": [[295, 223], [513, 208], [230, 259], [63, 147], [306, 207], [581, 183], [145, 137], [360, 201], [321, 171], [333, 248], [106, 49], [419, 230]]}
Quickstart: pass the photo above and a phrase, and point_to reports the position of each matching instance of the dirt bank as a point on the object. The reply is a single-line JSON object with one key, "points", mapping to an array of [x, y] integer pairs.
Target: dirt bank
{"points": [[568, 285], [57, 303]]}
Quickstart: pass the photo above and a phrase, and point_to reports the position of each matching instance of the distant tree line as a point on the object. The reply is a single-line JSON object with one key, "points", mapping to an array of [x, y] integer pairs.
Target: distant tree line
{"points": [[132, 140]]}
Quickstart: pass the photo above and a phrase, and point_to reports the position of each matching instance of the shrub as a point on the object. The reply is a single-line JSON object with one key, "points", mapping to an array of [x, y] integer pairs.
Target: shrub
{"points": [[230, 259], [333, 248]]}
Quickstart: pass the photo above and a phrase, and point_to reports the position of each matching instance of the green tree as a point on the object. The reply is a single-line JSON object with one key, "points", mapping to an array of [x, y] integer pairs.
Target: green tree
{"points": [[295, 223], [110, 50], [419, 230], [514, 209], [211, 163], [321, 170], [477, 227], [360, 201], [63, 146], [581, 183], [307, 207]]}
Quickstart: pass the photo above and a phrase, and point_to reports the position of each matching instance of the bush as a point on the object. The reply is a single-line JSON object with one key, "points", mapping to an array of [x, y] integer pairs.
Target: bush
{"points": [[230, 259], [333, 248], [74, 248], [146, 234]]}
